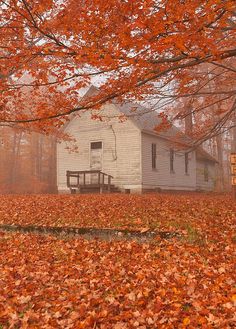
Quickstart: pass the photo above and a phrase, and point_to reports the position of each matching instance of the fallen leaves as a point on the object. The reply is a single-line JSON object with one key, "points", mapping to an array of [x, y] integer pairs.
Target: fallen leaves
{"points": [[186, 321], [193, 215], [47, 282]]}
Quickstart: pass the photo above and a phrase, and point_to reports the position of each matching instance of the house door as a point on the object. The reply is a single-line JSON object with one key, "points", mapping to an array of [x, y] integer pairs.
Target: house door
{"points": [[95, 160]]}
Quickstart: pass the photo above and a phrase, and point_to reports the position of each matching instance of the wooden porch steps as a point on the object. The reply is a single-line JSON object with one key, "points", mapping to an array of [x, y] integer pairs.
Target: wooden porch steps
{"points": [[90, 181], [93, 188]]}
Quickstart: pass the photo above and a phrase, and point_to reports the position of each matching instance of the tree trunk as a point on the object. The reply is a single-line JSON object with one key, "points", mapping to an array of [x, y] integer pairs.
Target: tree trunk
{"points": [[189, 121], [14, 170], [220, 186], [233, 148], [53, 166]]}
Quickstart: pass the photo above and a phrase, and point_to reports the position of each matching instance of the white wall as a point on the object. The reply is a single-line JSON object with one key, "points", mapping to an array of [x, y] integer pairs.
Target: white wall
{"points": [[161, 176], [127, 156], [121, 148], [201, 183]]}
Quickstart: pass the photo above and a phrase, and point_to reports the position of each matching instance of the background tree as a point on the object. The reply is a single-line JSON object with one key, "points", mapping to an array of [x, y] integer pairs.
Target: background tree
{"points": [[210, 117], [28, 160]]}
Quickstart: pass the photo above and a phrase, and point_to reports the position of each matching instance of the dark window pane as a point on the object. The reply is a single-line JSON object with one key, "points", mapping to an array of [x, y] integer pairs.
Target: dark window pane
{"points": [[96, 145], [154, 149], [186, 163], [171, 160], [206, 172]]}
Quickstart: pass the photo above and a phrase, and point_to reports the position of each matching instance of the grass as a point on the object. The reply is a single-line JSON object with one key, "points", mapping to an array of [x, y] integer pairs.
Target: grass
{"points": [[193, 235]]}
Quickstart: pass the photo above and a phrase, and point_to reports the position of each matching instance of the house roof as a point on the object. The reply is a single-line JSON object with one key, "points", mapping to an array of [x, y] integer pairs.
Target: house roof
{"points": [[201, 154], [147, 120]]}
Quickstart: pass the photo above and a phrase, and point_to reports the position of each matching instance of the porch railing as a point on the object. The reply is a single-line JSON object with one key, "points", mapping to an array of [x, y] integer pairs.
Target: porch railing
{"points": [[77, 180]]}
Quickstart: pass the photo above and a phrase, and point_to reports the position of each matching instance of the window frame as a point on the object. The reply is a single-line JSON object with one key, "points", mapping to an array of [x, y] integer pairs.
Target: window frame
{"points": [[96, 148], [172, 157], [206, 172], [186, 163], [154, 156], [90, 151]]}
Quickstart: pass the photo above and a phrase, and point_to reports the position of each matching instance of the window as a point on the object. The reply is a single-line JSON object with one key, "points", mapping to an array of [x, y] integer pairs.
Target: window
{"points": [[206, 173], [171, 160], [186, 162], [96, 145], [154, 156]]}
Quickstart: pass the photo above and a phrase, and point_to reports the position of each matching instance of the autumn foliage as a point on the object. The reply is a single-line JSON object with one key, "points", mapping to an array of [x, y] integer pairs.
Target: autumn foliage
{"points": [[66, 282], [138, 50]]}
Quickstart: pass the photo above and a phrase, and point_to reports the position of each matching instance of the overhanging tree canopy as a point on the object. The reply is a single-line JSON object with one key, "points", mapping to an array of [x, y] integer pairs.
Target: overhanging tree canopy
{"points": [[137, 50]]}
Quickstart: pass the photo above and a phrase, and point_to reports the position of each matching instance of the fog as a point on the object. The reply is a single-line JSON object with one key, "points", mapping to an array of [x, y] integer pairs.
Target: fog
{"points": [[28, 162]]}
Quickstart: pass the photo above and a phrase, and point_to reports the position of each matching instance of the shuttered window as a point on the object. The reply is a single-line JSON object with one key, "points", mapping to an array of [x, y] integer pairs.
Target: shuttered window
{"points": [[154, 156], [186, 162], [206, 173], [171, 160]]}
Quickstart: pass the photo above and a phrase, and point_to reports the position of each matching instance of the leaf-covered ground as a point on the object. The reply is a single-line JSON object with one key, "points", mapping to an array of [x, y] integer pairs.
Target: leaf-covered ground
{"points": [[48, 282], [155, 211]]}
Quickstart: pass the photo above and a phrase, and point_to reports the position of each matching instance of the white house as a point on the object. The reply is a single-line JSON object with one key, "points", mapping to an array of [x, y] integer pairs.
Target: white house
{"points": [[137, 157]]}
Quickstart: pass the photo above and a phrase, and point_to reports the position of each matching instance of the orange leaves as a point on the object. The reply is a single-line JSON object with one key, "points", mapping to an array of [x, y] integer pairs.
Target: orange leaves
{"points": [[186, 321], [233, 298], [135, 42], [126, 211], [74, 283]]}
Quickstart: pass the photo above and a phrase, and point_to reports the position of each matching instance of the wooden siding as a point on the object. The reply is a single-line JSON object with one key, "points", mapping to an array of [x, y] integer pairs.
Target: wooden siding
{"points": [[161, 177], [121, 149], [202, 184]]}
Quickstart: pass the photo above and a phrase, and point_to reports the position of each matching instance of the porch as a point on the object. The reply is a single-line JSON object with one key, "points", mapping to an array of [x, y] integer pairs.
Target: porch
{"points": [[89, 181]]}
